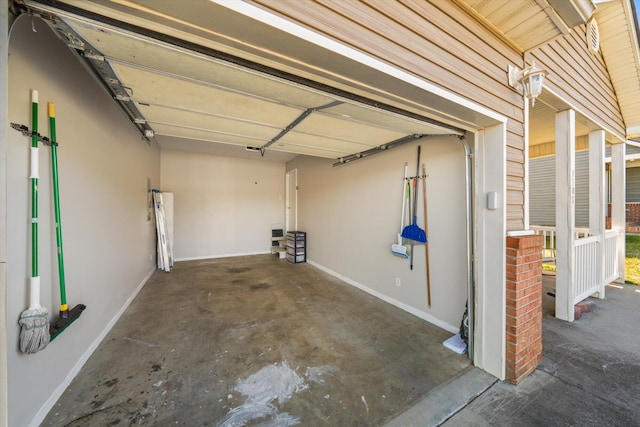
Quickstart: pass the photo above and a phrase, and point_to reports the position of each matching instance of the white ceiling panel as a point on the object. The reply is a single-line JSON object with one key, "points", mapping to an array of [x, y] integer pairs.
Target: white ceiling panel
{"points": [[204, 135], [153, 88], [309, 151], [385, 120], [223, 150], [125, 48], [162, 115], [331, 127], [323, 142]]}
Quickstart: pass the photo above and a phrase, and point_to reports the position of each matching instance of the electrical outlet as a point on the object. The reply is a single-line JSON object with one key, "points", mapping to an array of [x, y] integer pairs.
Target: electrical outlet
{"points": [[398, 282]]}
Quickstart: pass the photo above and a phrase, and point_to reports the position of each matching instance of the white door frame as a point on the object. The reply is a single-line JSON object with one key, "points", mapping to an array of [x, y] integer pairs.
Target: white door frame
{"points": [[291, 209], [490, 230], [4, 119]]}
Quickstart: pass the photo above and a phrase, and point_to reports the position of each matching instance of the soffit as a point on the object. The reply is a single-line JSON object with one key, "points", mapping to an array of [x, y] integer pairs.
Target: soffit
{"points": [[531, 23], [619, 45]]}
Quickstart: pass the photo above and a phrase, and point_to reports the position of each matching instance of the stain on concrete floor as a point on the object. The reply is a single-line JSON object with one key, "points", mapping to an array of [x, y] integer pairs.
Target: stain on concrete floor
{"points": [[186, 350]]}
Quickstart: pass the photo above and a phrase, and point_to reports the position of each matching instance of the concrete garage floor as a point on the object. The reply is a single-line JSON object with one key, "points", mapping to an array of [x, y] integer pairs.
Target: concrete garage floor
{"points": [[257, 341]]}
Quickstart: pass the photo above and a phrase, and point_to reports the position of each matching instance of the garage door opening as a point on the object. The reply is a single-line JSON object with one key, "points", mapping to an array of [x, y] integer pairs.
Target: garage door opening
{"points": [[181, 97]]}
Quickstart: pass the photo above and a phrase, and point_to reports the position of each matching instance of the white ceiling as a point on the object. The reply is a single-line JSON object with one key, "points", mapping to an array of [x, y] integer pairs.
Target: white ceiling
{"points": [[198, 103], [542, 120]]}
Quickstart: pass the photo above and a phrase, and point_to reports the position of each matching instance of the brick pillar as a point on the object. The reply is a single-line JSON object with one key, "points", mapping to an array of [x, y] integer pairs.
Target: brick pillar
{"points": [[524, 306]]}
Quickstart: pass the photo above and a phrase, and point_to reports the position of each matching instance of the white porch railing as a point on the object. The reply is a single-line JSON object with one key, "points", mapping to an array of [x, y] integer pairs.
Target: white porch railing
{"points": [[611, 272], [586, 281], [586, 272], [549, 233]]}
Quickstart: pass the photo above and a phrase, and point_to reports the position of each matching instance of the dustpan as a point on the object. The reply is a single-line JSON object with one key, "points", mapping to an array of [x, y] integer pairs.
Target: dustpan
{"points": [[412, 232]]}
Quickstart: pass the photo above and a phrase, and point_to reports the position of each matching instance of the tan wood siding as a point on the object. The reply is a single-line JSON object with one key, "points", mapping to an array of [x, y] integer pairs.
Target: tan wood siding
{"points": [[515, 184], [515, 198], [437, 41], [514, 140], [515, 169], [581, 78], [515, 155]]}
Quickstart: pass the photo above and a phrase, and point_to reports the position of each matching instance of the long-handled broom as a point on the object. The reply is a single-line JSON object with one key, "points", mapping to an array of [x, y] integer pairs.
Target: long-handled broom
{"points": [[66, 316], [426, 230], [34, 321]]}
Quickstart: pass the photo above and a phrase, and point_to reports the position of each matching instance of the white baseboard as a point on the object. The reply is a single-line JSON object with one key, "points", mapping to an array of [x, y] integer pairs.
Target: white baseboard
{"points": [[198, 258], [412, 310], [48, 405]]}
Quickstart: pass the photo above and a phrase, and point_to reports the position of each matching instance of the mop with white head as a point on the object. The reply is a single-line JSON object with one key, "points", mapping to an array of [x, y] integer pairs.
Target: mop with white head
{"points": [[34, 321]]}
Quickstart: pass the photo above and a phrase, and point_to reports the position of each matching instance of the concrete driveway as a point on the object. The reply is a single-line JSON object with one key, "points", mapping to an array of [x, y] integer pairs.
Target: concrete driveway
{"points": [[589, 375]]}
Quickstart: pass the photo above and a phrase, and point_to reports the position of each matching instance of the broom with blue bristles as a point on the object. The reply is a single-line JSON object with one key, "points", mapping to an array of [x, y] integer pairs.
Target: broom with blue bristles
{"points": [[34, 321]]}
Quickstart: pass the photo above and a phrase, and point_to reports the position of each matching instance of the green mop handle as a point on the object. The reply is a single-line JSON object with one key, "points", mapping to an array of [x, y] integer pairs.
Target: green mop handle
{"points": [[34, 183], [56, 205]]}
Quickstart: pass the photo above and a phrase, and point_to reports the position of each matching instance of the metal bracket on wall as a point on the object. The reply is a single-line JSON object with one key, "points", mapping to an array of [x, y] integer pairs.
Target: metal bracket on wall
{"points": [[24, 129], [100, 68]]}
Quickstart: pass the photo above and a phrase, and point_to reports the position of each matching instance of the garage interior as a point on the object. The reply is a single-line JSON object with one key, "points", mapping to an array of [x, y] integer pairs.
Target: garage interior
{"points": [[222, 134]]}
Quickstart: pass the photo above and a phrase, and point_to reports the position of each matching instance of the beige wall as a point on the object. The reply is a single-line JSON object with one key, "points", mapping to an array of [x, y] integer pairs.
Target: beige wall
{"points": [[223, 206], [108, 241], [351, 214]]}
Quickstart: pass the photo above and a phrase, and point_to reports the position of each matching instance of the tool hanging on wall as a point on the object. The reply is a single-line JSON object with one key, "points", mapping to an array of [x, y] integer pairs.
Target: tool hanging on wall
{"points": [[413, 233], [34, 321], [398, 248], [426, 230], [67, 317]]}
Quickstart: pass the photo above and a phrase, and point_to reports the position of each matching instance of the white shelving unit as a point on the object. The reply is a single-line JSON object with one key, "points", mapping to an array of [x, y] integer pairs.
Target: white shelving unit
{"points": [[278, 243]]}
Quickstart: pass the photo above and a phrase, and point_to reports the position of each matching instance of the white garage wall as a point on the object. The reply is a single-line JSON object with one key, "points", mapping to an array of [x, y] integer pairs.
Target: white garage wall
{"points": [[223, 206], [104, 166], [352, 216]]}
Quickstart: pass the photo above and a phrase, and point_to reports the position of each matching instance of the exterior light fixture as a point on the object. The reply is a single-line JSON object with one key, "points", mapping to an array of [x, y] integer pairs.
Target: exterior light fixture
{"points": [[531, 79]]}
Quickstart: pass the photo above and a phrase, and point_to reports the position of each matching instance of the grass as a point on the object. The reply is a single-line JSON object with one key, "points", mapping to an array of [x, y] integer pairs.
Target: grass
{"points": [[632, 263], [549, 267]]}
